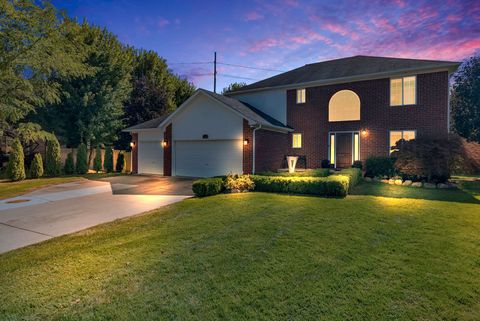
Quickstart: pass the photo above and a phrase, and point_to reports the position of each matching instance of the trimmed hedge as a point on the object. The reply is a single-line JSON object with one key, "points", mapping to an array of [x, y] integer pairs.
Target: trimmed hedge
{"points": [[207, 186], [36, 167], [318, 172], [354, 176], [16, 163], [333, 186]]}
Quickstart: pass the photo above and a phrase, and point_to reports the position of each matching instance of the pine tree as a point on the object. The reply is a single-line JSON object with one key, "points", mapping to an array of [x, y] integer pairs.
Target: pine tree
{"points": [[53, 166], [108, 161], [16, 163], [36, 168], [121, 162], [97, 162], [81, 165], [69, 168]]}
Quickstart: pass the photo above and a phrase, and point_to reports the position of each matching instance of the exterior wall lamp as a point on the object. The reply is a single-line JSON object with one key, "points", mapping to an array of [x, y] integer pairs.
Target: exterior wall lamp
{"points": [[132, 144], [164, 143], [245, 142], [364, 133]]}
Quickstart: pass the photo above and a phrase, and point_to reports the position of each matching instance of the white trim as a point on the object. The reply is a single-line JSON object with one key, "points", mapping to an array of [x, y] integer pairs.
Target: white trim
{"points": [[253, 146], [403, 91], [352, 132]]}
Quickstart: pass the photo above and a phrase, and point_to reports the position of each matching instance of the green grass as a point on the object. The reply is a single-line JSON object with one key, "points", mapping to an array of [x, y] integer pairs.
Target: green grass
{"points": [[11, 189], [451, 195], [257, 256]]}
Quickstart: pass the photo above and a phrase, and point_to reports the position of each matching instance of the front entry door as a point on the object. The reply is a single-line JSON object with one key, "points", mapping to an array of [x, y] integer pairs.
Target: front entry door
{"points": [[343, 150]]}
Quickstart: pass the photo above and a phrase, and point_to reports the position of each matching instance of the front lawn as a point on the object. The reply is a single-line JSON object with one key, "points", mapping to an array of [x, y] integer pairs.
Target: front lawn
{"points": [[11, 189], [258, 256]]}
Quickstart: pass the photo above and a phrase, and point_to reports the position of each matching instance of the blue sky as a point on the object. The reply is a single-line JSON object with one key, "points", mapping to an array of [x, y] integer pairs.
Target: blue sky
{"points": [[284, 34]]}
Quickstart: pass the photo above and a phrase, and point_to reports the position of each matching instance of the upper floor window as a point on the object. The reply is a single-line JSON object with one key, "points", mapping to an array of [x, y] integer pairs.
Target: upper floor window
{"points": [[397, 135], [403, 91], [297, 140], [301, 96], [344, 106]]}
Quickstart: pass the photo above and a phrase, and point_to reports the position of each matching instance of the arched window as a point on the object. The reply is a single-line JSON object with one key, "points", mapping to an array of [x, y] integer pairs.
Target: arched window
{"points": [[344, 106]]}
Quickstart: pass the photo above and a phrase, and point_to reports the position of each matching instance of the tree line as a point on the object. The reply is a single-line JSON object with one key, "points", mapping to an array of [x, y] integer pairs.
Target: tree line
{"points": [[76, 80]]}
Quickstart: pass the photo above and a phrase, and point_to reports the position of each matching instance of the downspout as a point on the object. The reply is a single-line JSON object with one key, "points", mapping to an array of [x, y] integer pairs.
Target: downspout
{"points": [[253, 146]]}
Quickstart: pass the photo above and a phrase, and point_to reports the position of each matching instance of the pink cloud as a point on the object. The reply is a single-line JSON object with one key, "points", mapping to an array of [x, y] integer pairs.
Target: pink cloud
{"points": [[341, 30], [253, 16], [162, 22], [292, 3], [383, 24], [264, 44]]}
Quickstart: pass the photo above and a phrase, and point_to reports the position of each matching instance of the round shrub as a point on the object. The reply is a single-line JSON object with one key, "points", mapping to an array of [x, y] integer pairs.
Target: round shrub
{"points": [[53, 166], [36, 168], [357, 164], [325, 163], [121, 162], [69, 168], [16, 163], [207, 186], [108, 159], [239, 183], [97, 162], [81, 164], [380, 166]]}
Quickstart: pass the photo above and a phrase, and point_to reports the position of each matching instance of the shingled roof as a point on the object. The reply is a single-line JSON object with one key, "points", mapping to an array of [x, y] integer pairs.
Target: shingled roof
{"points": [[344, 68], [249, 112]]}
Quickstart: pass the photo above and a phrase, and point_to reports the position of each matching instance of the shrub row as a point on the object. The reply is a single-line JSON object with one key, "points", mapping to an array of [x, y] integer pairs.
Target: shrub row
{"points": [[380, 166], [318, 172], [333, 186], [354, 176], [208, 186]]}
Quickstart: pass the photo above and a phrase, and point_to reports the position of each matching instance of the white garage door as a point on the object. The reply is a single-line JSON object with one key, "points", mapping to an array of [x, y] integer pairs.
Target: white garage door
{"points": [[208, 158], [150, 157]]}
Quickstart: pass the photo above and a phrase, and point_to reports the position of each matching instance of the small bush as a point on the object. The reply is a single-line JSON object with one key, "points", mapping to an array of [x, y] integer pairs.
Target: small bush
{"points": [[97, 161], [325, 163], [334, 186], [354, 176], [357, 164], [16, 162], [81, 164], [430, 159], [121, 162], [207, 186], [239, 183], [108, 159], [319, 172], [69, 167], [380, 166], [53, 165], [36, 167]]}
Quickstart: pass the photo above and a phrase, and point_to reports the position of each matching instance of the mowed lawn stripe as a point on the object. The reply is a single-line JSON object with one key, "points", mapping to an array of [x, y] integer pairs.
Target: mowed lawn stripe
{"points": [[258, 256]]}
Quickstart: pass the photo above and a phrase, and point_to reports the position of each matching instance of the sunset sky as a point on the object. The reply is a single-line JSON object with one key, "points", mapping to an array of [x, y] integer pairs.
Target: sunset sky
{"points": [[283, 34]]}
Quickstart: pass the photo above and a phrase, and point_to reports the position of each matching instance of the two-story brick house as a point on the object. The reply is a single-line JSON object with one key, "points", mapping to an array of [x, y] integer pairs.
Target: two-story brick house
{"points": [[342, 110]]}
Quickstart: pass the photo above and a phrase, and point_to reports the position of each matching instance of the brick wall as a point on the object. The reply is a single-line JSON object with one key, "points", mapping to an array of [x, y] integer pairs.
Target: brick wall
{"points": [[428, 117], [270, 150], [135, 153], [167, 151]]}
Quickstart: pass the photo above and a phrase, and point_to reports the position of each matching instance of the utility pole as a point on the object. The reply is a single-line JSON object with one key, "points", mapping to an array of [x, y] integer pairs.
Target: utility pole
{"points": [[215, 72]]}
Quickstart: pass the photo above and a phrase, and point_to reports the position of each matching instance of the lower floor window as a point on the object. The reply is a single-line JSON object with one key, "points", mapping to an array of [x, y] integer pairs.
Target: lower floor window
{"points": [[397, 135], [297, 140]]}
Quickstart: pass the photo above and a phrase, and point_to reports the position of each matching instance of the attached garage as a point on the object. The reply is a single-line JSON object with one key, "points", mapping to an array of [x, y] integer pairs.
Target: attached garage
{"points": [[150, 152], [208, 158], [150, 158]]}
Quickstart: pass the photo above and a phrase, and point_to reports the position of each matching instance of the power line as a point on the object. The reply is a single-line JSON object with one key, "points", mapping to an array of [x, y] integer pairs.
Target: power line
{"points": [[248, 67], [191, 63], [238, 77]]}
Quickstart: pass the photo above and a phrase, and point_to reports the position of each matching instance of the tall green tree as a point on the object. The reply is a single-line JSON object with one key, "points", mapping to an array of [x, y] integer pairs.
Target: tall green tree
{"points": [[156, 91], [108, 159], [81, 165], [37, 48], [233, 86], [97, 161], [465, 100], [53, 165], [91, 107]]}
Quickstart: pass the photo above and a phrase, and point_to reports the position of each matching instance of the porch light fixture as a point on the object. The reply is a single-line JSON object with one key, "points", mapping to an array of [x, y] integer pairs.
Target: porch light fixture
{"points": [[364, 133], [245, 142], [164, 143], [132, 144]]}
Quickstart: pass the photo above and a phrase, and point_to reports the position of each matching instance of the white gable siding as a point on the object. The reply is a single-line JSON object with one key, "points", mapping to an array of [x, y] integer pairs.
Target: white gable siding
{"points": [[271, 102], [205, 116]]}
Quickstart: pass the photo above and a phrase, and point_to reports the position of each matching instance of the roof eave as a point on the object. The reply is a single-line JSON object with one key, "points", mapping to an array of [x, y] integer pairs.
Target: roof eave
{"points": [[450, 68]]}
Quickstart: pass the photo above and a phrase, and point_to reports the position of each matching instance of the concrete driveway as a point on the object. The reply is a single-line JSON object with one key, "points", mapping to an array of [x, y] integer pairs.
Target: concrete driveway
{"points": [[71, 207]]}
